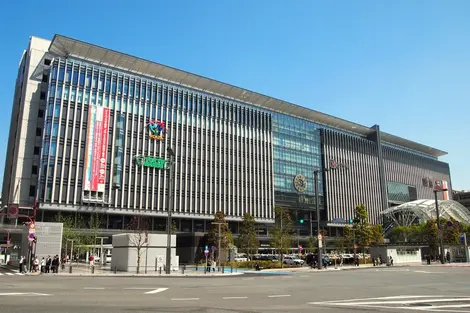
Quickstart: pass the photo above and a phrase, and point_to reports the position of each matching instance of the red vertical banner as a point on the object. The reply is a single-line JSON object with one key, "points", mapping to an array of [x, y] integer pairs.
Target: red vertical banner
{"points": [[97, 148], [104, 151]]}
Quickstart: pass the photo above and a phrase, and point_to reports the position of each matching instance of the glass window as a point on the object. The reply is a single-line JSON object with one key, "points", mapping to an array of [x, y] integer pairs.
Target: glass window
{"points": [[75, 77], [55, 129], [53, 149], [68, 76], [59, 92], [61, 74], [88, 79], [119, 89], [82, 77]]}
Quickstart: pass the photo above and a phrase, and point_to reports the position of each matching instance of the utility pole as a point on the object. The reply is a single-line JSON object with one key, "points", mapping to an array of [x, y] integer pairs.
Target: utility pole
{"points": [[439, 228], [169, 224]]}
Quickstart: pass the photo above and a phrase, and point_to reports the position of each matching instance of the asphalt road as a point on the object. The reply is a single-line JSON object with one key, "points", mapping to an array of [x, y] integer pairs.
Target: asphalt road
{"points": [[425, 289]]}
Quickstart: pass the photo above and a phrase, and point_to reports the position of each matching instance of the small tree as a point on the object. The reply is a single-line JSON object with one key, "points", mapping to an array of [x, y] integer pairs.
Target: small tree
{"points": [[226, 239], [247, 240], [138, 237], [282, 235], [377, 237], [451, 233], [311, 244], [362, 227], [70, 231], [431, 235]]}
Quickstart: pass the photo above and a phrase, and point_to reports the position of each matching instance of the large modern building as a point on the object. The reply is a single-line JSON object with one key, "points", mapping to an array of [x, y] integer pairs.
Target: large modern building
{"points": [[91, 128]]}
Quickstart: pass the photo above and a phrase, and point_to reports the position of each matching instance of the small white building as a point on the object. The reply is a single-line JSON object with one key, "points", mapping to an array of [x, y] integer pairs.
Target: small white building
{"points": [[400, 254], [152, 252]]}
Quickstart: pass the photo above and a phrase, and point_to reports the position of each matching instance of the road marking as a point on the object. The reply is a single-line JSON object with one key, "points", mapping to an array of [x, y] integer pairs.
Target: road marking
{"points": [[1, 274], [426, 272], [233, 298], [156, 291], [278, 296], [139, 288], [9, 274], [93, 288], [24, 294], [184, 299], [19, 274], [434, 303]]}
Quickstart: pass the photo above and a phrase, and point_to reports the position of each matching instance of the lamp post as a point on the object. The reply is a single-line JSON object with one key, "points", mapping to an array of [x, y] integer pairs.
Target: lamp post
{"points": [[71, 250], [333, 165], [437, 189], [170, 167]]}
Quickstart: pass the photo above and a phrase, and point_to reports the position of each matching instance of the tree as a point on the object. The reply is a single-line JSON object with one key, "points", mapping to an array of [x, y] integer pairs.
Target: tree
{"points": [[226, 239], [362, 227], [94, 226], [431, 235], [451, 233], [377, 237], [282, 235], [70, 232], [247, 240], [138, 236], [311, 244]]}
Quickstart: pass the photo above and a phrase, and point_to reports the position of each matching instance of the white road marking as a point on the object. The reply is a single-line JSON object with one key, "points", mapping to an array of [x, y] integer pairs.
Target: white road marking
{"points": [[139, 288], [9, 274], [1, 274], [23, 294], [93, 288], [156, 291], [19, 274], [278, 296], [184, 299], [405, 303], [426, 272], [233, 298]]}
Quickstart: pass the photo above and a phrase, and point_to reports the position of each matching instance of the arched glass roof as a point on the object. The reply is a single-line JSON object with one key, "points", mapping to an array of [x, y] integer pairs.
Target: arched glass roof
{"points": [[424, 210]]}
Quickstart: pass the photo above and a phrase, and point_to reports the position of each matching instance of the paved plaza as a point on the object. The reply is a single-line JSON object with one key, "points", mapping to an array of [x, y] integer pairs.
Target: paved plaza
{"points": [[386, 289]]}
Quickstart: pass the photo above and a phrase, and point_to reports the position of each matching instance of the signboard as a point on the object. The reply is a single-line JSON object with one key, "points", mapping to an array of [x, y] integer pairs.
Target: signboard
{"points": [[94, 173], [150, 161], [157, 129]]}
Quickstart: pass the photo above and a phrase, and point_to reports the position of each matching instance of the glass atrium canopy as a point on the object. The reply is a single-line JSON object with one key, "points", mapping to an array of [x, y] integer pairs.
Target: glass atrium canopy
{"points": [[423, 210]]}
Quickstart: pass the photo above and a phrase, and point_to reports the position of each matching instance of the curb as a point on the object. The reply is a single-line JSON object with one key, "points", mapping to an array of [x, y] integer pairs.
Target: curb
{"points": [[141, 275]]}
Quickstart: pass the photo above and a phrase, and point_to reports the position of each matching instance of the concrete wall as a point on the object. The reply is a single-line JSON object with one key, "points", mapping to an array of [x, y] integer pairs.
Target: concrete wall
{"points": [[49, 239], [125, 253]]}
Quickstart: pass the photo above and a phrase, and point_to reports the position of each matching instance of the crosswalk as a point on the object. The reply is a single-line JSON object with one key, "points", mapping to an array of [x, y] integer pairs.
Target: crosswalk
{"points": [[5, 272], [424, 303]]}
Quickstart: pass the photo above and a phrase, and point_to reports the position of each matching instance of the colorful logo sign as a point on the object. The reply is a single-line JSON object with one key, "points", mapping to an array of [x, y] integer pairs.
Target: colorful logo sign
{"points": [[150, 162], [157, 129]]}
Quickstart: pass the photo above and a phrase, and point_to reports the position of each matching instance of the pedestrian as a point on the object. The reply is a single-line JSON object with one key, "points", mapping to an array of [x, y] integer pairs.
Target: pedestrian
{"points": [[208, 265], [35, 264], [341, 260], [48, 264], [213, 265], [21, 264], [391, 261], [448, 257], [43, 265]]}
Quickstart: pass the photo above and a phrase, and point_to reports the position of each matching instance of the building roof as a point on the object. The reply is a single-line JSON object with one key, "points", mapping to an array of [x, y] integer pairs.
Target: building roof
{"points": [[426, 210], [65, 46]]}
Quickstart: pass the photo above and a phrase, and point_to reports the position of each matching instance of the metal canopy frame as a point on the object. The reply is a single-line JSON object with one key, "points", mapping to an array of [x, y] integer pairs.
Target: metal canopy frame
{"points": [[69, 47], [407, 213]]}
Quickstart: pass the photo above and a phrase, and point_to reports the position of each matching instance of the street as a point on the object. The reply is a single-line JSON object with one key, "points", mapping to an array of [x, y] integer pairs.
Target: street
{"points": [[385, 289]]}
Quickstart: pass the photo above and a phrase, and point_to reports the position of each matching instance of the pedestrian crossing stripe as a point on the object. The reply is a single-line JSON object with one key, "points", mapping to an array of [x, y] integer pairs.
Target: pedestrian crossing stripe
{"points": [[11, 274], [428, 303]]}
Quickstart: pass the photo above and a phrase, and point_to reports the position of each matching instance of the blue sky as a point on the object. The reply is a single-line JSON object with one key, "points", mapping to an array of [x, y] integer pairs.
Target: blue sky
{"points": [[404, 65]]}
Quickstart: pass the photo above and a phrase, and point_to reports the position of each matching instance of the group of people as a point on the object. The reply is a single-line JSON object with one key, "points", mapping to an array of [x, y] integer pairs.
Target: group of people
{"points": [[47, 265], [379, 261]]}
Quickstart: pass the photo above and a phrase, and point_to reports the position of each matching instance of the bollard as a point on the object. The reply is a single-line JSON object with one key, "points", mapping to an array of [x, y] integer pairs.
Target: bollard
{"points": [[223, 269], [205, 269], [182, 269], [70, 269], [231, 269], [115, 269], [93, 270], [160, 270], [196, 267]]}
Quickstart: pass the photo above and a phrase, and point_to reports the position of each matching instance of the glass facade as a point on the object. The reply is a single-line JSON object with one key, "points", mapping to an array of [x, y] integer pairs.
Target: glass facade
{"points": [[297, 150], [400, 193]]}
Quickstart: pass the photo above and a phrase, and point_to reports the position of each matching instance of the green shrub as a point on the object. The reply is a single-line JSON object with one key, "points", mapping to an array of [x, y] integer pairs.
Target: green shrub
{"points": [[251, 264]]}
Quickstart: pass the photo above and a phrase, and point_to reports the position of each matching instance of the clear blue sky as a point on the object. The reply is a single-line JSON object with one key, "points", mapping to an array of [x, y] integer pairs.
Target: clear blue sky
{"points": [[404, 65]]}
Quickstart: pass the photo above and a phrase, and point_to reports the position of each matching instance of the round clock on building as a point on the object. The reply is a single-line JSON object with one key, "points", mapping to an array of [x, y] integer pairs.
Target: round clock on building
{"points": [[300, 183]]}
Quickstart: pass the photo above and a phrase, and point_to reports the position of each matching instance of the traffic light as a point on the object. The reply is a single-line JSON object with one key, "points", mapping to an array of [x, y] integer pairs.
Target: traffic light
{"points": [[301, 221], [351, 221]]}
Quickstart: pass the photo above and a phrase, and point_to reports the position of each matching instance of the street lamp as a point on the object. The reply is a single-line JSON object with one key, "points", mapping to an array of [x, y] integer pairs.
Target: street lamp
{"points": [[332, 166], [439, 188], [170, 167]]}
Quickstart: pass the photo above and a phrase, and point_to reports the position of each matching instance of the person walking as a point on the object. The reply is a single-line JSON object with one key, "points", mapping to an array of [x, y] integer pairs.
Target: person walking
{"points": [[21, 269], [35, 264], [48, 264]]}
